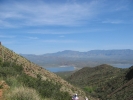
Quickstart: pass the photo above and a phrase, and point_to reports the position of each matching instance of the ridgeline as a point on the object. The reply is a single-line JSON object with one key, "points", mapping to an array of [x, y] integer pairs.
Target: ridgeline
{"points": [[105, 82]]}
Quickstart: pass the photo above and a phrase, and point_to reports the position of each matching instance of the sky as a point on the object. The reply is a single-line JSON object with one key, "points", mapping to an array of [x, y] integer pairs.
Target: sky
{"points": [[48, 26]]}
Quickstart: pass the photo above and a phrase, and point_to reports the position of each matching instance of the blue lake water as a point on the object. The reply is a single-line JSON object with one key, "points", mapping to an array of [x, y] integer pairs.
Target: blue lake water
{"points": [[71, 68], [61, 69], [122, 65]]}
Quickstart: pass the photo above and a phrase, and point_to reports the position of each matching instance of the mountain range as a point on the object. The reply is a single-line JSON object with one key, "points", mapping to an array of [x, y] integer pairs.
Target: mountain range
{"points": [[82, 59]]}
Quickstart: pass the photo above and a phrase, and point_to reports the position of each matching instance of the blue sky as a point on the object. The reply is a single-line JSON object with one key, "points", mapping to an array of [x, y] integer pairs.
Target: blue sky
{"points": [[47, 26]]}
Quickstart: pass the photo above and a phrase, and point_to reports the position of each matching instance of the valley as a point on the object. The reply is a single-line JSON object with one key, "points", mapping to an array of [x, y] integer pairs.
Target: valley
{"points": [[66, 49], [101, 82]]}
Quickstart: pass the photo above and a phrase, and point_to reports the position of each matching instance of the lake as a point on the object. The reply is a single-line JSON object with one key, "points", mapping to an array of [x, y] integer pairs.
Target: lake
{"points": [[60, 69], [122, 65], [72, 68]]}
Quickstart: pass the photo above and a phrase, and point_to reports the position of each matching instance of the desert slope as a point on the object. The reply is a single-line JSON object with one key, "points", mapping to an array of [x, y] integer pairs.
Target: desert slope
{"points": [[33, 70]]}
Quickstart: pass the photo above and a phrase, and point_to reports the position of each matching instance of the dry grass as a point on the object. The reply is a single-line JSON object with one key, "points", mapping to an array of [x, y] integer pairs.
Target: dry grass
{"points": [[22, 93]]}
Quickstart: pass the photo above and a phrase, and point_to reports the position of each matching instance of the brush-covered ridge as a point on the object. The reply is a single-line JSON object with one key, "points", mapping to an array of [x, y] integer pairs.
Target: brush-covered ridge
{"points": [[35, 71], [105, 82]]}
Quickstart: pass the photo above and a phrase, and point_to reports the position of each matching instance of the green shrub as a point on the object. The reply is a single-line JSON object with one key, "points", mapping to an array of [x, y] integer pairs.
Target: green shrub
{"points": [[1, 62], [15, 77], [18, 68], [89, 89], [6, 64], [13, 82], [10, 69], [46, 89], [1, 86]]}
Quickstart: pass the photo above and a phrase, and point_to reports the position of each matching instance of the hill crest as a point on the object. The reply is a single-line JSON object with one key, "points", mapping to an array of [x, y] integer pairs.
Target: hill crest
{"points": [[105, 82]]}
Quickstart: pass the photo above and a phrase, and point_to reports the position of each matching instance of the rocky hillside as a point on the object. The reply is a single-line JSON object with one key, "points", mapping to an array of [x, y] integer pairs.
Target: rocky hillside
{"points": [[105, 82], [34, 70]]}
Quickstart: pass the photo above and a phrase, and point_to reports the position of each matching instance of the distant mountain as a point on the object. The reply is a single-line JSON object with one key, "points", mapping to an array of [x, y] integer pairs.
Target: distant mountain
{"points": [[105, 82], [92, 53], [82, 59]]}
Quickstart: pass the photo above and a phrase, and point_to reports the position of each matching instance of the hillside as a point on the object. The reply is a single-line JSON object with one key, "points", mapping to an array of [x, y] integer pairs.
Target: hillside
{"points": [[11, 64], [105, 82], [93, 75], [82, 59]]}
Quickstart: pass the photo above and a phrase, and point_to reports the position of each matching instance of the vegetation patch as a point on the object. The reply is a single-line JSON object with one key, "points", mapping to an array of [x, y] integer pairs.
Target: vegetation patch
{"points": [[22, 93], [15, 77], [89, 89], [1, 86], [105, 82]]}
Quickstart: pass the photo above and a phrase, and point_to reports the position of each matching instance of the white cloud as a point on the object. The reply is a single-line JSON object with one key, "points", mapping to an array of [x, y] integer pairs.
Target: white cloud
{"points": [[59, 41], [70, 31], [4, 24], [40, 13], [33, 38], [49, 31], [7, 36], [62, 36], [113, 21]]}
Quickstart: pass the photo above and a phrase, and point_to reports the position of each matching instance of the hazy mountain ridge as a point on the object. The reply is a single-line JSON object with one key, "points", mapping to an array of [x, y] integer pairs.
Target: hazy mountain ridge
{"points": [[82, 59], [70, 53]]}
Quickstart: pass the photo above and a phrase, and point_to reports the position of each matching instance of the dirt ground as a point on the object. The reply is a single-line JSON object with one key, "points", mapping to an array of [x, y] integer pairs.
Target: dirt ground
{"points": [[4, 87], [1, 93]]}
